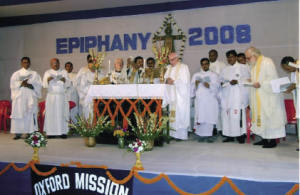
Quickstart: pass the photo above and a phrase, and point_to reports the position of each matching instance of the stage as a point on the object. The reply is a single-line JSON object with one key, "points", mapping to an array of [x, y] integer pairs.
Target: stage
{"points": [[189, 159]]}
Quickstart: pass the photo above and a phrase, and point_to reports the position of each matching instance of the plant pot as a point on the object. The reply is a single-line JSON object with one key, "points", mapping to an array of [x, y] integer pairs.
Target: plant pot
{"points": [[149, 145], [121, 142], [90, 141]]}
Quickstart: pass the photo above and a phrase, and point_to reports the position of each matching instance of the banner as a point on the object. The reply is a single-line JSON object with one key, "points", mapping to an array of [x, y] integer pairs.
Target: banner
{"points": [[71, 180]]}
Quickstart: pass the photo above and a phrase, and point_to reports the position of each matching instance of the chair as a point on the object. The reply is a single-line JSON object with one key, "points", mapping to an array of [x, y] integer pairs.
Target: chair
{"points": [[5, 110], [41, 114]]}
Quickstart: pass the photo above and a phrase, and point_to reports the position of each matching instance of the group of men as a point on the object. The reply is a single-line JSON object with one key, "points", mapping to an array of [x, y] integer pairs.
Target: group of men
{"points": [[221, 95]]}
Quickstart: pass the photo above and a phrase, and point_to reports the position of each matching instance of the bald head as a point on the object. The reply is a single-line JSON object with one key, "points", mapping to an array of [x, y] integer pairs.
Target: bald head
{"points": [[118, 64], [54, 62], [252, 55], [173, 59]]}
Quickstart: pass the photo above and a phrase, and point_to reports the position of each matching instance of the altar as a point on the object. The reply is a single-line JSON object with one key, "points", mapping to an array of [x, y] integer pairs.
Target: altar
{"points": [[121, 101]]}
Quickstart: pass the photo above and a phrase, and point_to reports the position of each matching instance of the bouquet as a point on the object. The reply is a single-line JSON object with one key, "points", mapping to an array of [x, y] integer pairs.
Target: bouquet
{"points": [[119, 132], [36, 139], [137, 146]]}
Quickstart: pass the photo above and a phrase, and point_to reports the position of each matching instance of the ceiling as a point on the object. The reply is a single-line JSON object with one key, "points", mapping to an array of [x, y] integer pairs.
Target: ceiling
{"points": [[12, 8]]}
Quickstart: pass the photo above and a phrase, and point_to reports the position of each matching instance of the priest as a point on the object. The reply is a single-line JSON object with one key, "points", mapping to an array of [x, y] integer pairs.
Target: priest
{"points": [[177, 95], [57, 106], [204, 86], [118, 75], [268, 113], [135, 75], [234, 98], [25, 85]]}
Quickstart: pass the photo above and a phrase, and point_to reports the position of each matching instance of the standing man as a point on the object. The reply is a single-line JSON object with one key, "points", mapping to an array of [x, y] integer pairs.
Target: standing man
{"points": [[204, 86], [57, 106], [177, 77], [268, 113], [118, 75], [25, 85], [234, 98], [71, 92]]}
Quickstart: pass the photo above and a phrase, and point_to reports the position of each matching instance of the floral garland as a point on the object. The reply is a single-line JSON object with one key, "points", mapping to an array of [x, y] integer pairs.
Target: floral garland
{"points": [[170, 19], [36, 140]]}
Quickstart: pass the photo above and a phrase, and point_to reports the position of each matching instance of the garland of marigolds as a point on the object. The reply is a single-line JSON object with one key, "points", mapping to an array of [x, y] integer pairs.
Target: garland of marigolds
{"points": [[170, 19], [134, 172]]}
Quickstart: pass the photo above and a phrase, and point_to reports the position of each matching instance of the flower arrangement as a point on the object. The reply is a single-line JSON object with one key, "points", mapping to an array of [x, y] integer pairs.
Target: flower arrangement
{"points": [[97, 58], [137, 146], [161, 55], [149, 127], [36, 140], [119, 132], [85, 127]]}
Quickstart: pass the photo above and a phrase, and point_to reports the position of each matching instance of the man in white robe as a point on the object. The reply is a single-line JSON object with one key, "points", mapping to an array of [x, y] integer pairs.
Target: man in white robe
{"points": [[267, 108], [216, 66], [57, 106], [135, 74], [25, 85], [118, 75], [177, 94], [83, 87], [234, 99], [71, 92], [204, 86]]}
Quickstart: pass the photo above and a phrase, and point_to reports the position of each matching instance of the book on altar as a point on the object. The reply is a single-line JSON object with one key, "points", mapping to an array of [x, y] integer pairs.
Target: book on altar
{"points": [[280, 85], [23, 78]]}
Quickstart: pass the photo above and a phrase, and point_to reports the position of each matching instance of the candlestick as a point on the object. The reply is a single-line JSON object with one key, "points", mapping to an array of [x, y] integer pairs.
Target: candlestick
{"points": [[108, 66]]}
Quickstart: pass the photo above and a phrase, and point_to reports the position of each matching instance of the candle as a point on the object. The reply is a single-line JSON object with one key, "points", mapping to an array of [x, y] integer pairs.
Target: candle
{"points": [[144, 64], [108, 66]]}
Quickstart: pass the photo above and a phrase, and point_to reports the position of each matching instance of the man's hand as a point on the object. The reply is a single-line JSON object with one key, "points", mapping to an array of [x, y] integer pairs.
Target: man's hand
{"points": [[256, 85], [233, 82], [170, 81], [30, 86], [49, 79], [291, 88], [24, 83], [63, 79], [197, 83], [206, 84]]}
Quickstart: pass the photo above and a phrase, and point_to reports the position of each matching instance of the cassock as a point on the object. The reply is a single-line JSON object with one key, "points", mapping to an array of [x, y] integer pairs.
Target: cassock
{"points": [[72, 95], [268, 113], [178, 99], [57, 106], [206, 103], [86, 81], [295, 92], [24, 101], [234, 99]]}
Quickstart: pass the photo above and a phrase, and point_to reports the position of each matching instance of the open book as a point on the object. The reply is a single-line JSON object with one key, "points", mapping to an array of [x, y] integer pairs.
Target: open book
{"points": [[25, 77], [203, 79], [280, 85]]}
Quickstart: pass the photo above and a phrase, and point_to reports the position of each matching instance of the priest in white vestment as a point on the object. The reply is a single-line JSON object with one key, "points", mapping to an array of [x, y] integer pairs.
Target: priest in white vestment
{"points": [[268, 112], [204, 86], [177, 94], [234, 98], [118, 75], [25, 85], [57, 106], [83, 87], [136, 72], [71, 91]]}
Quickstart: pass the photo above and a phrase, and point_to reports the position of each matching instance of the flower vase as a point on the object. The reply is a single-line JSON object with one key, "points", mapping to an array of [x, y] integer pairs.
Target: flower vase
{"points": [[96, 81], [161, 76], [90, 141], [121, 142], [149, 145], [35, 156], [138, 163]]}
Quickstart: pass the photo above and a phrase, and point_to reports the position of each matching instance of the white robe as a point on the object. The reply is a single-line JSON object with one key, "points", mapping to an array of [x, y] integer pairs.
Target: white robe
{"points": [[82, 88], [137, 78], [57, 106], [24, 101], [206, 103], [118, 77], [273, 115], [295, 92], [234, 99], [77, 81], [72, 95], [178, 99]]}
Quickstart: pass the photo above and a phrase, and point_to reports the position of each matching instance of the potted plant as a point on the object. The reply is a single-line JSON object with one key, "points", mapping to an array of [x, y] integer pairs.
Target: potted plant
{"points": [[148, 128], [87, 129], [120, 133], [36, 140]]}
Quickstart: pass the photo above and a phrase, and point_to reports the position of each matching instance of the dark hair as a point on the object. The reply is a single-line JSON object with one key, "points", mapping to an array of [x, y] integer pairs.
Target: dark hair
{"points": [[287, 59], [69, 63], [204, 59], [241, 55], [148, 59], [25, 58], [231, 52], [137, 58], [88, 56], [213, 50]]}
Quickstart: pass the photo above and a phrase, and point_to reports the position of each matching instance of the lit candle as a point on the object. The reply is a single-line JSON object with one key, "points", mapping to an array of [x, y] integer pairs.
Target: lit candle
{"points": [[144, 64], [108, 66]]}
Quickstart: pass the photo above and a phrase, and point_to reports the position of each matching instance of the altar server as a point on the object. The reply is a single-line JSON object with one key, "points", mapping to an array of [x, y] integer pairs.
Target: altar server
{"points": [[25, 85]]}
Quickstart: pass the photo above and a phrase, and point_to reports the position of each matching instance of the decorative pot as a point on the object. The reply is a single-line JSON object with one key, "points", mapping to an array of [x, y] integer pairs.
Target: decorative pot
{"points": [[149, 145], [121, 142], [90, 141], [138, 163], [35, 156]]}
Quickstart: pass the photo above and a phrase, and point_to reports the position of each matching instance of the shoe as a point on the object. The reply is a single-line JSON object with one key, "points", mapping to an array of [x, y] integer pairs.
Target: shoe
{"points": [[241, 139], [215, 131], [17, 137], [210, 140], [228, 139], [271, 144], [260, 143], [201, 139], [64, 136], [51, 136]]}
